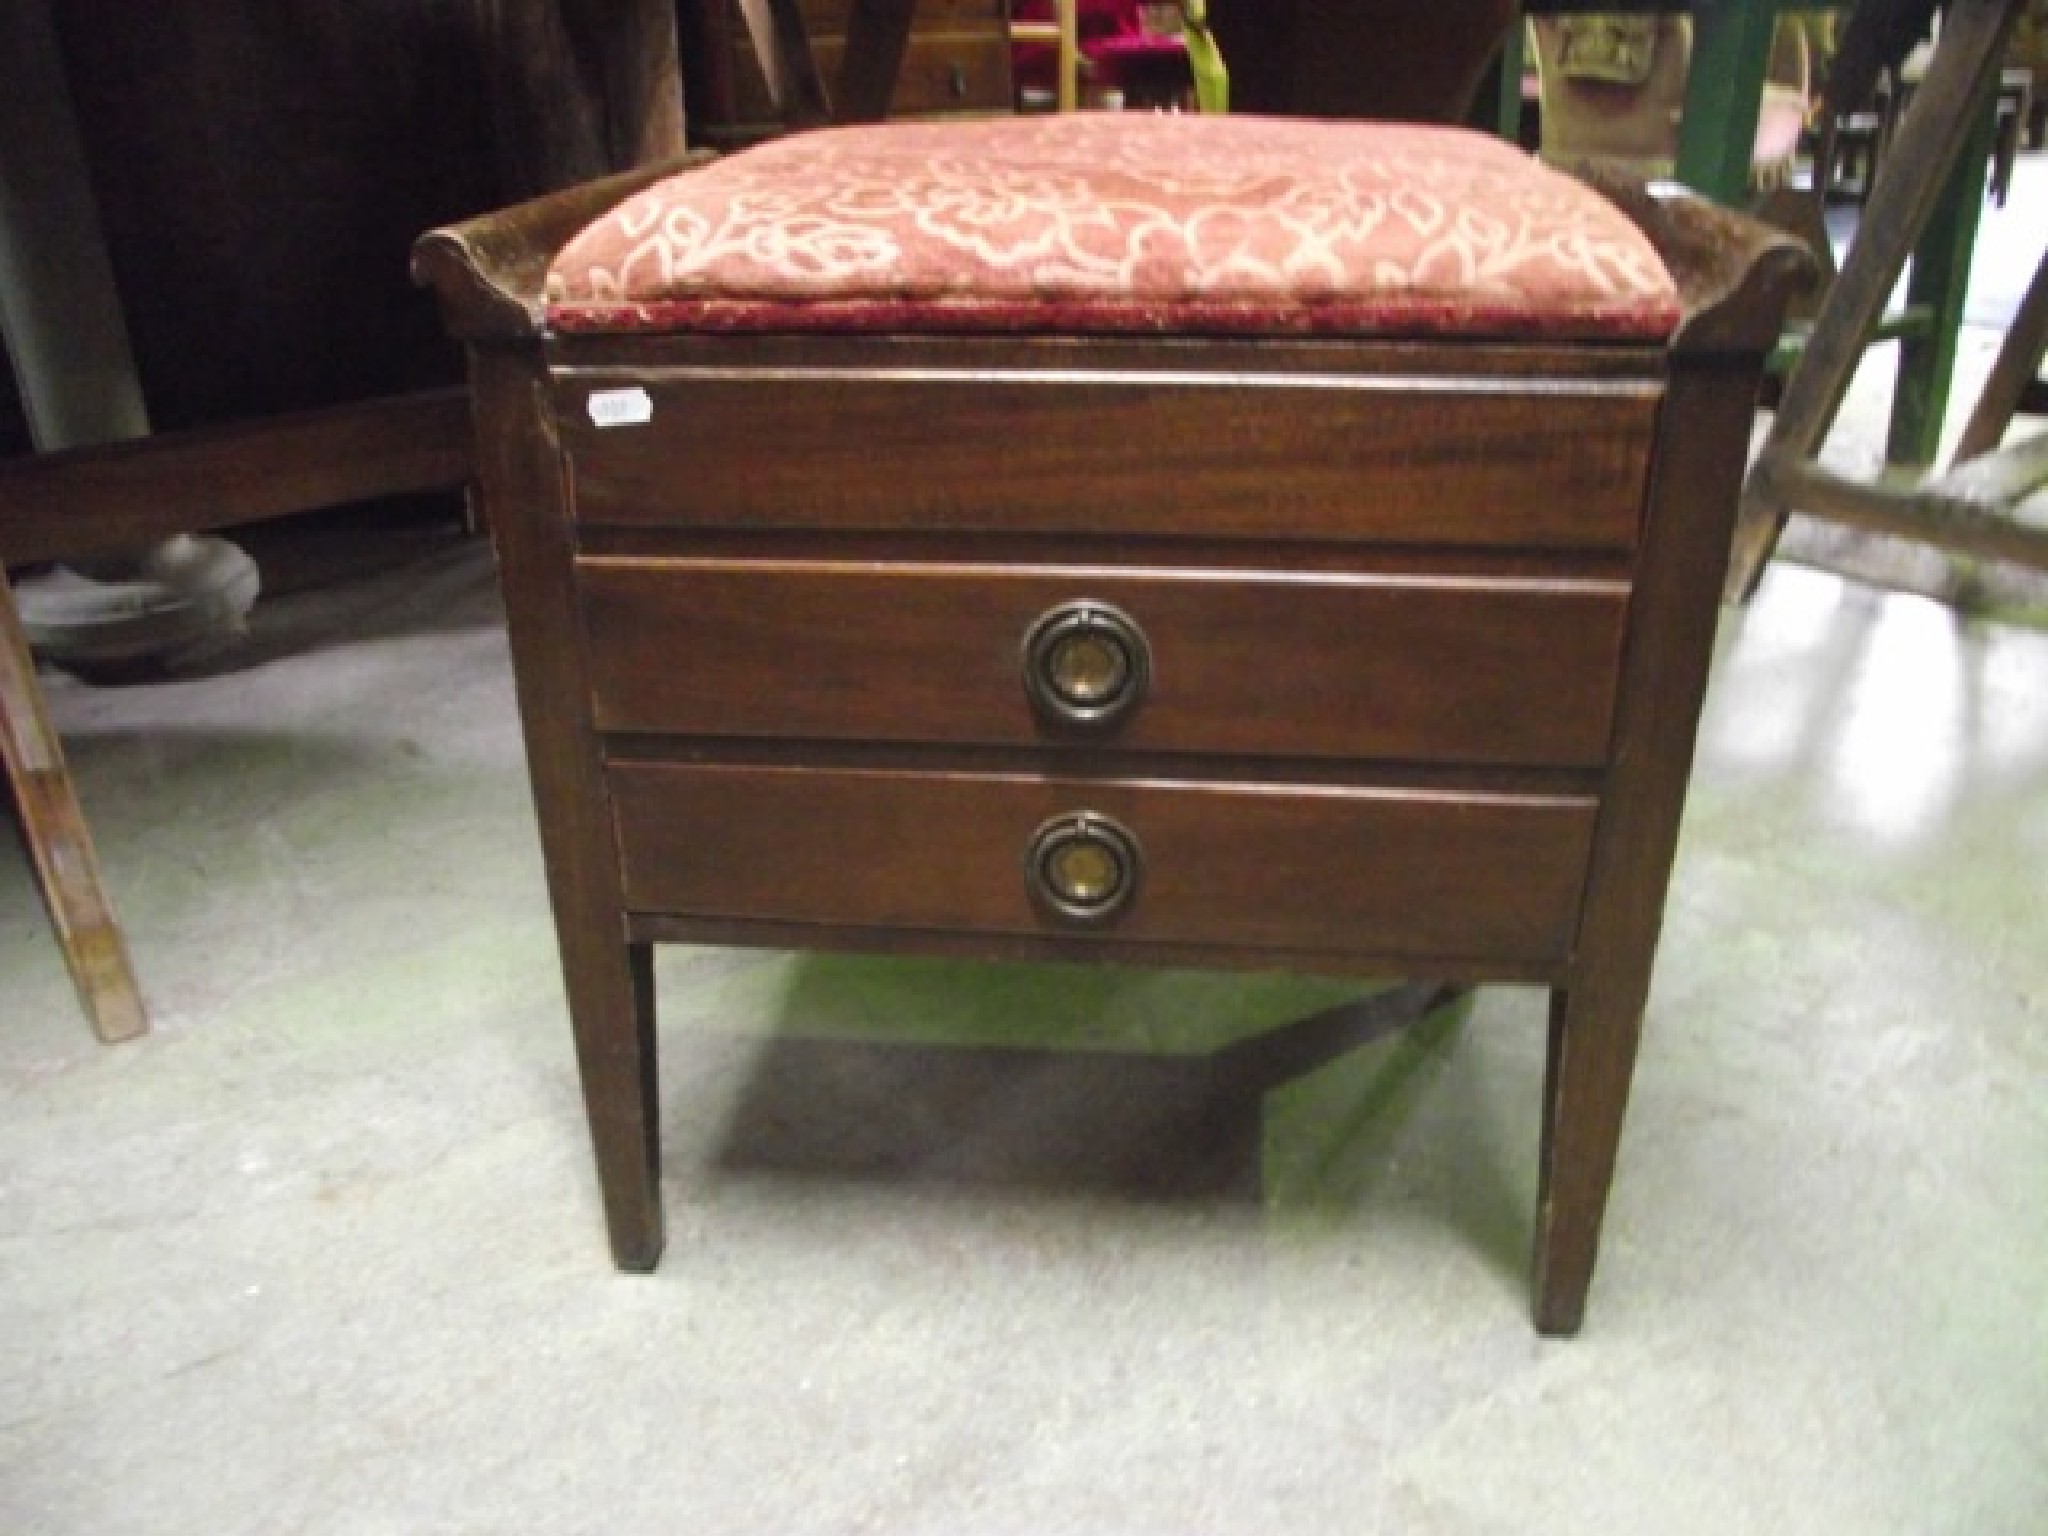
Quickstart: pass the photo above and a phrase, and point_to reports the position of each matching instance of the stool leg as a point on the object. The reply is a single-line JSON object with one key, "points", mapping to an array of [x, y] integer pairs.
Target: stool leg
{"points": [[610, 982], [611, 1005], [1593, 1039], [59, 844]]}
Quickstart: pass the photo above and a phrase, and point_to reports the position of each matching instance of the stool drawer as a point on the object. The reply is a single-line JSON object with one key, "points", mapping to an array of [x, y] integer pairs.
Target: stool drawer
{"points": [[1384, 873], [939, 72], [1478, 670], [1557, 464]]}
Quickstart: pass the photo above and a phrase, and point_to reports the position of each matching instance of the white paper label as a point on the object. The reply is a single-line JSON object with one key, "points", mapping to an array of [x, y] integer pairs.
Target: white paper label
{"points": [[621, 408]]}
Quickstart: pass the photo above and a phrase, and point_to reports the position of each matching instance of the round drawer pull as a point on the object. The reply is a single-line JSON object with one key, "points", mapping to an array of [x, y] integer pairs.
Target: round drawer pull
{"points": [[1084, 867], [1086, 664]]}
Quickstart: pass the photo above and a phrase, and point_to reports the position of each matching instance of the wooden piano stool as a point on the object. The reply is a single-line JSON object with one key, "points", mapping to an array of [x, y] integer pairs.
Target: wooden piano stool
{"points": [[1323, 577]]}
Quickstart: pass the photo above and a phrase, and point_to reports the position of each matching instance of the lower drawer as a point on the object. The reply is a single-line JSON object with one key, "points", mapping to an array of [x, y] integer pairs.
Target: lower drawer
{"points": [[1382, 873]]}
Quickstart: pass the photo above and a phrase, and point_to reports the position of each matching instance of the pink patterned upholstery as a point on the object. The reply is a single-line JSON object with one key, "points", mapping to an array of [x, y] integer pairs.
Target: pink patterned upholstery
{"points": [[1118, 222]]}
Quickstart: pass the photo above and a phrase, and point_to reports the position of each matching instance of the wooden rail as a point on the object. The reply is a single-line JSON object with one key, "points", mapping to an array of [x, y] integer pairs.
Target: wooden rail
{"points": [[133, 494]]}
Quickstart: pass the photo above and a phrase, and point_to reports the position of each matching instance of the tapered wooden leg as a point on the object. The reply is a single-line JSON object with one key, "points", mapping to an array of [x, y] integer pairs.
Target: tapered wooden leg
{"points": [[611, 1004], [60, 845], [1593, 1039]]}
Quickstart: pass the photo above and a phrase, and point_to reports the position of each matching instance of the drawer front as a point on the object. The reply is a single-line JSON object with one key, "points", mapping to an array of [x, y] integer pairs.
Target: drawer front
{"points": [[956, 59], [1418, 461], [1467, 670], [826, 18], [1389, 874], [941, 72]]}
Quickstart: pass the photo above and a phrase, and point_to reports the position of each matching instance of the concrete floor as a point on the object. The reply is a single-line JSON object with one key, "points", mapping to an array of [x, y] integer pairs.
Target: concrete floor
{"points": [[324, 1255]]}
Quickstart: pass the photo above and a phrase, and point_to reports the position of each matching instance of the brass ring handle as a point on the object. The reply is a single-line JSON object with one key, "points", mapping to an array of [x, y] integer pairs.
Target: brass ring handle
{"points": [[1087, 664], [1084, 867]]}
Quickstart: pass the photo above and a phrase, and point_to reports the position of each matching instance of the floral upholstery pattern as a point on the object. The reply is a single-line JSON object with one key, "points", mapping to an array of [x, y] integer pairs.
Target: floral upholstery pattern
{"points": [[1120, 222]]}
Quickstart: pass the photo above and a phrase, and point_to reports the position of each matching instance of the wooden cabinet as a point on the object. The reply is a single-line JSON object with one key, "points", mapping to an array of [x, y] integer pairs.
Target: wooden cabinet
{"points": [[1330, 663], [957, 61], [1374, 656]]}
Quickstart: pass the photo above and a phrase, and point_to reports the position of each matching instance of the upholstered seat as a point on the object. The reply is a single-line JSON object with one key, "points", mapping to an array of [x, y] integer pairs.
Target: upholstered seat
{"points": [[1116, 222]]}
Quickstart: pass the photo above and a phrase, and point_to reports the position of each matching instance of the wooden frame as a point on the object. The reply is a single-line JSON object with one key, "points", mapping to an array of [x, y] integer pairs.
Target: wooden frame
{"points": [[577, 86], [1589, 937], [60, 846], [1935, 166]]}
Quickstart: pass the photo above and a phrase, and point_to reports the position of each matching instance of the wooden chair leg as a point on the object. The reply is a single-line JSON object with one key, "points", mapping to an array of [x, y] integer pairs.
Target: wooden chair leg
{"points": [[1902, 202], [2019, 359], [60, 846]]}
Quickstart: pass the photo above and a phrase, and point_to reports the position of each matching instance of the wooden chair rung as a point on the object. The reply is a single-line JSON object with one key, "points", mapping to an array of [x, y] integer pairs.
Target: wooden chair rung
{"points": [[1987, 508]]}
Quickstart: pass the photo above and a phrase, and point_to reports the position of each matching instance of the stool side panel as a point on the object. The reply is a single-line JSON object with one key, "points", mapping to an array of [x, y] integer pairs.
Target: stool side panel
{"points": [[608, 982], [1597, 1016]]}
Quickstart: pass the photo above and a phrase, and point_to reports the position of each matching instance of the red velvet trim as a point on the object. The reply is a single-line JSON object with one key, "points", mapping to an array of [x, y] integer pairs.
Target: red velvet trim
{"points": [[1406, 317], [1127, 45]]}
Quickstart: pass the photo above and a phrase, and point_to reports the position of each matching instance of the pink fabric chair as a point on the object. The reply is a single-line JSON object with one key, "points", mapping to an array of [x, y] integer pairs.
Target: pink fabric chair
{"points": [[1119, 52]]}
